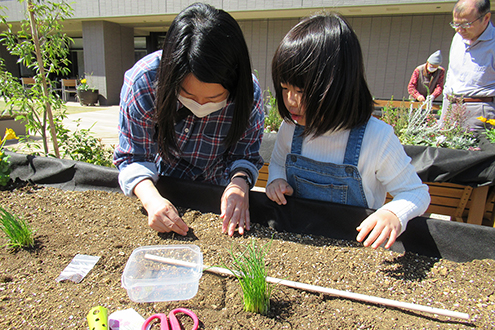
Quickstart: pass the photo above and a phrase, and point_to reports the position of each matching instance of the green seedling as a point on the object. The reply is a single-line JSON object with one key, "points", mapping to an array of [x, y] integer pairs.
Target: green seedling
{"points": [[250, 269], [17, 230]]}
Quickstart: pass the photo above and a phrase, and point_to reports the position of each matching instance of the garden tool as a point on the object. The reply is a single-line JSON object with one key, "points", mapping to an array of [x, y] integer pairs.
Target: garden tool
{"points": [[171, 323], [98, 318]]}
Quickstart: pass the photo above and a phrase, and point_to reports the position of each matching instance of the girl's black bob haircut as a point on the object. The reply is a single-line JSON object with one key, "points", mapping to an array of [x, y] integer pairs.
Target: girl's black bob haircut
{"points": [[208, 43], [321, 55]]}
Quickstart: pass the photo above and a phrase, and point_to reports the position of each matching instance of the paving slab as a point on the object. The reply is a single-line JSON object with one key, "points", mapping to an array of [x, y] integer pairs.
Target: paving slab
{"points": [[102, 123]]}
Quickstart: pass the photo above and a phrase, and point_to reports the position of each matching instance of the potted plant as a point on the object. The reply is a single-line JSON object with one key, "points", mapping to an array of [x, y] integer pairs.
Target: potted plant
{"points": [[85, 94]]}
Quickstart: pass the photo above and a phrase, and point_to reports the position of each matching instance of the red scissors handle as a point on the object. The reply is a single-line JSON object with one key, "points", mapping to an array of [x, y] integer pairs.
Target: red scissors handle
{"points": [[174, 322], [163, 321]]}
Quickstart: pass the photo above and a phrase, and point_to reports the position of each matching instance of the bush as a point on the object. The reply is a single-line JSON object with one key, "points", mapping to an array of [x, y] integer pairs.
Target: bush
{"points": [[421, 127]]}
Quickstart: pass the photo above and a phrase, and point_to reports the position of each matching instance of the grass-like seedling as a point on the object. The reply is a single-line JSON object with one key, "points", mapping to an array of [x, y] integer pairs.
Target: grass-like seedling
{"points": [[16, 229], [250, 269]]}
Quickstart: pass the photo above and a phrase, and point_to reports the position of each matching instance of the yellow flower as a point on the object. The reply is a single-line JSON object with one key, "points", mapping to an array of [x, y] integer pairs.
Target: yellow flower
{"points": [[83, 81], [482, 119], [10, 134], [491, 122]]}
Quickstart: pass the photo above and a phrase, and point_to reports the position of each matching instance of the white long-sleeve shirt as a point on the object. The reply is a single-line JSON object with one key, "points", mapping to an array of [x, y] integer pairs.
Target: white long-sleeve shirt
{"points": [[383, 164]]}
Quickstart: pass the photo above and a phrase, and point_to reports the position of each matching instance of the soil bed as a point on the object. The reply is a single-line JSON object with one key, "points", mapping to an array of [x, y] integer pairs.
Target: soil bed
{"points": [[111, 226]]}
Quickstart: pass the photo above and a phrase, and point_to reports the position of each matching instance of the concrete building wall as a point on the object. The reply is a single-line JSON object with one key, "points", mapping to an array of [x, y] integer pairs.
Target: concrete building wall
{"points": [[110, 8], [392, 47], [108, 53]]}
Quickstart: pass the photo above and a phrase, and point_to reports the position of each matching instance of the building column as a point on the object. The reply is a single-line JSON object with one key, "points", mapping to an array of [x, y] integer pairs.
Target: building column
{"points": [[108, 53], [9, 61]]}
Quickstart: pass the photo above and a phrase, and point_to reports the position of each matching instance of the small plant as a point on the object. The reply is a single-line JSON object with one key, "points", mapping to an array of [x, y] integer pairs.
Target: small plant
{"points": [[81, 145], [83, 85], [250, 269], [4, 159], [273, 119], [490, 130], [395, 117], [17, 230]]}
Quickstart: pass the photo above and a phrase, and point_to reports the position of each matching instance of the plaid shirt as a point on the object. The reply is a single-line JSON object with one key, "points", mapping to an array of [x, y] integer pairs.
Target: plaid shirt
{"points": [[202, 156]]}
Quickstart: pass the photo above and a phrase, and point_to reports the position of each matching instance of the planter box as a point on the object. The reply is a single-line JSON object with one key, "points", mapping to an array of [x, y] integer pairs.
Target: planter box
{"points": [[461, 182], [451, 240]]}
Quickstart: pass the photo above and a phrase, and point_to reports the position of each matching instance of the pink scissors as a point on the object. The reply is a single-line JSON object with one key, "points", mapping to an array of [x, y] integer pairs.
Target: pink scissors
{"points": [[174, 322]]}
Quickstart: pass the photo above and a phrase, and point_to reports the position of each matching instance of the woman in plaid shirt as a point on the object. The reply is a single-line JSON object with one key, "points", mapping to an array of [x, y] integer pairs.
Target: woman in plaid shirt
{"points": [[192, 110]]}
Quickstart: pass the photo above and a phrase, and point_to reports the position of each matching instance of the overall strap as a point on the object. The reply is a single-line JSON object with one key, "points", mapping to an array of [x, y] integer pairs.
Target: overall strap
{"points": [[354, 145], [297, 140]]}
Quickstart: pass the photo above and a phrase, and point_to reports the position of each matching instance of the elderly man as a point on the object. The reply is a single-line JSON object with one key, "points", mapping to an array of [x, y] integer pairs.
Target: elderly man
{"points": [[471, 70], [427, 79]]}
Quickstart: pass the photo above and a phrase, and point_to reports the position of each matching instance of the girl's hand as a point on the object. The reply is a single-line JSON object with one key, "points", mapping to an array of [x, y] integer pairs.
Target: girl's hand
{"points": [[383, 225], [277, 190], [235, 207]]}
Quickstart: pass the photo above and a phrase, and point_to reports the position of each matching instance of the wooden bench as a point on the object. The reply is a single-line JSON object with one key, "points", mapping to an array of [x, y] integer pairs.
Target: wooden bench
{"points": [[489, 212], [68, 88], [461, 203], [27, 83], [262, 177]]}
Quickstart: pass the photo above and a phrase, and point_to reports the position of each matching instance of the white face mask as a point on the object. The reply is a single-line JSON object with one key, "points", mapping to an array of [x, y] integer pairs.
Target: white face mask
{"points": [[201, 110], [432, 69]]}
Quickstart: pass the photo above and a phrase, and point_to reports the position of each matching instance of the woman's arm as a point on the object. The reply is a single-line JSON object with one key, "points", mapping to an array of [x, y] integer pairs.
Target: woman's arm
{"points": [[244, 158], [162, 215]]}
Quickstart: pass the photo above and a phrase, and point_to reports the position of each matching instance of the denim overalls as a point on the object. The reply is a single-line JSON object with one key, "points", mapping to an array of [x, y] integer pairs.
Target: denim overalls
{"points": [[327, 181]]}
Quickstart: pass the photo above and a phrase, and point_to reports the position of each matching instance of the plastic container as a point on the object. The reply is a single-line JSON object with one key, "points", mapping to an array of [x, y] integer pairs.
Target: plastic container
{"points": [[163, 273]]}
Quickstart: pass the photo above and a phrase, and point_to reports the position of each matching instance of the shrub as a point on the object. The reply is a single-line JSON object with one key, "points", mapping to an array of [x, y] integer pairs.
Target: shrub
{"points": [[420, 126], [81, 145]]}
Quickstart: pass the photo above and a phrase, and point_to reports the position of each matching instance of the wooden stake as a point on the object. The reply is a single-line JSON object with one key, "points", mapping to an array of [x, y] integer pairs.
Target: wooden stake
{"points": [[321, 289]]}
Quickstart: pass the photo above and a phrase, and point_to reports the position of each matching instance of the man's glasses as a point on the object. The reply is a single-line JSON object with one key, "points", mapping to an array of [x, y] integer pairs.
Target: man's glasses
{"points": [[466, 25]]}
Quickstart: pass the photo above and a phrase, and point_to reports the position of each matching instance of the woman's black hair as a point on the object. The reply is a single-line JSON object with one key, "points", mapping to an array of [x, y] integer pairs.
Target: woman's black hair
{"points": [[321, 55], [208, 43]]}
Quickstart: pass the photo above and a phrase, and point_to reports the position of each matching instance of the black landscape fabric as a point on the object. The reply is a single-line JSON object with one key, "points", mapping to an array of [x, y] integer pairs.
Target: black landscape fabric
{"points": [[450, 240]]}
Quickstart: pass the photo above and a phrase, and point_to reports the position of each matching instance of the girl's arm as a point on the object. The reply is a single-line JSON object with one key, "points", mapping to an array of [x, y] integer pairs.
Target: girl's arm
{"points": [[389, 164], [399, 178]]}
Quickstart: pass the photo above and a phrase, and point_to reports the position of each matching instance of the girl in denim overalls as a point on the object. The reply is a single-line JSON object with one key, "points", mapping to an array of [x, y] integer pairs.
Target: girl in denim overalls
{"points": [[329, 147]]}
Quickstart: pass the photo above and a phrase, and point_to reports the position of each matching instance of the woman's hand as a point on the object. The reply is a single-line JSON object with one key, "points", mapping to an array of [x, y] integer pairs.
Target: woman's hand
{"points": [[381, 225], [162, 215], [235, 207], [277, 190]]}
